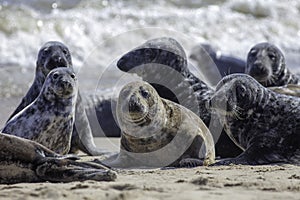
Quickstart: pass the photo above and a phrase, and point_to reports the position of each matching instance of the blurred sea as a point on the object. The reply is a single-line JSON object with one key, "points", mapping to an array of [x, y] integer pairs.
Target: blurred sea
{"points": [[99, 32]]}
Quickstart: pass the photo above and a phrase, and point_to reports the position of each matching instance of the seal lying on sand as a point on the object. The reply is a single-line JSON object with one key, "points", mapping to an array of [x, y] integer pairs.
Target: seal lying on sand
{"points": [[157, 132], [162, 62], [266, 63], [52, 55], [215, 65], [49, 119], [22, 160], [265, 124]]}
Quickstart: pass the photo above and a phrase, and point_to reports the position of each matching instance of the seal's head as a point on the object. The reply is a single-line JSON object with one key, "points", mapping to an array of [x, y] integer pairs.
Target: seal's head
{"points": [[265, 62], [236, 96], [139, 107], [60, 83], [164, 51], [51, 55]]}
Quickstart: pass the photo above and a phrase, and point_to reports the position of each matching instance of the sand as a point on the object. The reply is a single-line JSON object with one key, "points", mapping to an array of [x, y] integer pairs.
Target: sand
{"points": [[222, 182]]}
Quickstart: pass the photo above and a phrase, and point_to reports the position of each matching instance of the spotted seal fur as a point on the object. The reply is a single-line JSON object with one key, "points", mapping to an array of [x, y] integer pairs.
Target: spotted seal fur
{"points": [[49, 119], [263, 123], [51, 55], [266, 63], [157, 132], [23, 160], [163, 63]]}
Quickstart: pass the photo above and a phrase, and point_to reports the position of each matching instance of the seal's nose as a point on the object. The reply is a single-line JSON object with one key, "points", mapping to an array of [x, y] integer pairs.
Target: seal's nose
{"points": [[121, 64], [134, 105]]}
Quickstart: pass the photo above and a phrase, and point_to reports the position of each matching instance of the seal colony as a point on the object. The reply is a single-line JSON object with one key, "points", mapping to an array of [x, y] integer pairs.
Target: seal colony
{"points": [[49, 119], [162, 62], [266, 125], [23, 160], [52, 55], [266, 63], [157, 132]]}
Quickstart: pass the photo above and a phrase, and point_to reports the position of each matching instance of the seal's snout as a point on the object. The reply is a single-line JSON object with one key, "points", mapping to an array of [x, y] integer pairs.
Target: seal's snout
{"points": [[134, 105]]}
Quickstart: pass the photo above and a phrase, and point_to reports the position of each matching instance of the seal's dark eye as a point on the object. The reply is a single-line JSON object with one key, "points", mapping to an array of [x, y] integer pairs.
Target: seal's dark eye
{"points": [[272, 56], [65, 51], [55, 76], [73, 76], [46, 51], [148, 52], [253, 52], [144, 93], [241, 90]]}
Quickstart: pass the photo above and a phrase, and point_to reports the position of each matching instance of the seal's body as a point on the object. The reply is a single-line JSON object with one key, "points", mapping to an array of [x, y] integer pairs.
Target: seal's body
{"points": [[23, 160], [157, 132], [49, 119], [263, 123]]}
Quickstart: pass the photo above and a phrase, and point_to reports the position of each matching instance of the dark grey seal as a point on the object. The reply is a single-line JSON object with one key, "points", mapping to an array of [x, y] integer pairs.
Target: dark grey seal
{"points": [[157, 132], [263, 123], [163, 63], [214, 64], [23, 160], [51, 55], [266, 63], [49, 119]]}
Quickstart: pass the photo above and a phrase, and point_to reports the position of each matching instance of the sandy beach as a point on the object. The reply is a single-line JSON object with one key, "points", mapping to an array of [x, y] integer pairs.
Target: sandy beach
{"points": [[221, 182]]}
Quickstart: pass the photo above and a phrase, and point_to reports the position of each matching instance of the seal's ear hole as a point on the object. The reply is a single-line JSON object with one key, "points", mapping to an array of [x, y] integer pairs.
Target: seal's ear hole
{"points": [[55, 76]]}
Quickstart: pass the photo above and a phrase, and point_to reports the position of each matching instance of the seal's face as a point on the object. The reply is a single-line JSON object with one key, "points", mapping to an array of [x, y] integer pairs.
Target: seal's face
{"points": [[265, 62], [235, 96], [52, 55], [138, 107], [62, 82]]}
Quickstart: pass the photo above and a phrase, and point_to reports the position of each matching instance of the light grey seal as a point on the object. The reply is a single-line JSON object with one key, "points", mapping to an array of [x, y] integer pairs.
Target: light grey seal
{"points": [[266, 125], [54, 54], [266, 63], [157, 132], [23, 160], [49, 119]]}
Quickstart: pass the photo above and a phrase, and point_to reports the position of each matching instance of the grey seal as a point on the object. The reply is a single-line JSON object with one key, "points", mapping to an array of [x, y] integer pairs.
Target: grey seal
{"points": [[23, 160], [163, 63], [266, 63], [157, 132], [49, 119], [51, 55], [263, 123]]}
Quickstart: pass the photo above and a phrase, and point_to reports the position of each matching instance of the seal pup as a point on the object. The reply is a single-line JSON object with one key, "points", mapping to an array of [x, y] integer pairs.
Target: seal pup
{"points": [[163, 63], [157, 132], [266, 63], [23, 160], [263, 123], [49, 119], [214, 64], [54, 54]]}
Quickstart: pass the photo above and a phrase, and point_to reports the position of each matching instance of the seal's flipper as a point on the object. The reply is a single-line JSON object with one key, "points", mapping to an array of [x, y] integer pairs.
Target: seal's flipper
{"points": [[66, 171], [190, 162]]}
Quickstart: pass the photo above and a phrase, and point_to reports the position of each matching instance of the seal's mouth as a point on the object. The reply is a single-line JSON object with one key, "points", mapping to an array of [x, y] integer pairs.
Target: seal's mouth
{"points": [[64, 88]]}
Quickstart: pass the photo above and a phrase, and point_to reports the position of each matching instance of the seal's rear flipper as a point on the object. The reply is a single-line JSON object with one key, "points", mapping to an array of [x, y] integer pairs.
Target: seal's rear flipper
{"points": [[190, 162], [67, 171]]}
